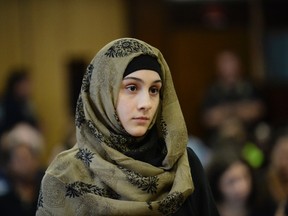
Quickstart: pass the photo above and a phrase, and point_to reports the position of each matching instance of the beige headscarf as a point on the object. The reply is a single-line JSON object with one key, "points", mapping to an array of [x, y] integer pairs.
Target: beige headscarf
{"points": [[97, 177]]}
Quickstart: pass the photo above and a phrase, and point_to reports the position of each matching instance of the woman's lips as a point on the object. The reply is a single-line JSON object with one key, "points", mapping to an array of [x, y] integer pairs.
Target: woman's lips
{"points": [[141, 119]]}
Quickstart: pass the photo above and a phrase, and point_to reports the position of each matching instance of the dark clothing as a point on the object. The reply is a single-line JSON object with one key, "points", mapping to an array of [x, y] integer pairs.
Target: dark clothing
{"points": [[264, 203], [219, 94], [201, 202], [223, 96], [12, 205], [14, 111]]}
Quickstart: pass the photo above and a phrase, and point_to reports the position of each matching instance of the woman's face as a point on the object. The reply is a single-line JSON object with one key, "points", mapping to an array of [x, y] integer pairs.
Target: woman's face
{"points": [[138, 101], [235, 183], [280, 159]]}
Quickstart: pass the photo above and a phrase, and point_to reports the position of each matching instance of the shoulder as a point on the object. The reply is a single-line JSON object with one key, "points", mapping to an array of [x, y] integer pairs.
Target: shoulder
{"points": [[197, 171], [202, 200], [194, 160], [63, 170], [52, 196], [65, 165], [198, 174]]}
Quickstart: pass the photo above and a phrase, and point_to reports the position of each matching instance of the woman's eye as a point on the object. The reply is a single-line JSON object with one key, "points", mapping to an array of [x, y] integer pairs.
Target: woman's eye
{"points": [[154, 90], [131, 88]]}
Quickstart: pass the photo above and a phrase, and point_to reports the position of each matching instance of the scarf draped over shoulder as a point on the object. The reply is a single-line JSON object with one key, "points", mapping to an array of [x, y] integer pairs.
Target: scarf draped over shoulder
{"points": [[105, 173]]}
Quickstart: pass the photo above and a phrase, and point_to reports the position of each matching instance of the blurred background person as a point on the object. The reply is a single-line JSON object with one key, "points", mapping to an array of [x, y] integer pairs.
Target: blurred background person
{"points": [[15, 103], [274, 183], [278, 174], [231, 96], [232, 135], [22, 171], [231, 180]]}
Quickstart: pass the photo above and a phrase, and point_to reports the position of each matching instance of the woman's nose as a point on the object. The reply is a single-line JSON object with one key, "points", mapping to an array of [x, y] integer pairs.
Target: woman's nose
{"points": [[144, 101]]}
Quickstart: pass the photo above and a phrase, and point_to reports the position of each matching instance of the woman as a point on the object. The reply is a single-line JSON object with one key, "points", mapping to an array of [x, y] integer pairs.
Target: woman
{"points": [[231, 181], [16, 105], [277, 175], [22, 174], [130, 157]]}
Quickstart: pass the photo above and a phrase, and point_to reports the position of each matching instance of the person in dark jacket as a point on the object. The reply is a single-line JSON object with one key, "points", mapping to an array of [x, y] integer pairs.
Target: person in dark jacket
{"points": [[15, 103], [22, 172]]}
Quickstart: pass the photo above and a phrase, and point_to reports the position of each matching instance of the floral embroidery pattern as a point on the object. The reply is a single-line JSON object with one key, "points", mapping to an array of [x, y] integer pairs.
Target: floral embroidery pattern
{"points": [[149, 205], [77, 189], [114, 138], [97, 134], [163, 126], [40, 200], [126, 47], [118, 120], [119, 142], [79, 118], [171, 203], [87, 78], [115, 141], [85, 155], [148, 184]]}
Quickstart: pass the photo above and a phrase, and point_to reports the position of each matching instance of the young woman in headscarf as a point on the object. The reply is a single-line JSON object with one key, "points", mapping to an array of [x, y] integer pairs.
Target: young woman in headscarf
{"points": [[131, 155]]}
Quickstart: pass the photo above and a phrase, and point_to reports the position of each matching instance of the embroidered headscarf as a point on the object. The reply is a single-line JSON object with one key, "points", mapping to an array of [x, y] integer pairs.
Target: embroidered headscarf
{"points": [[105, 173]]}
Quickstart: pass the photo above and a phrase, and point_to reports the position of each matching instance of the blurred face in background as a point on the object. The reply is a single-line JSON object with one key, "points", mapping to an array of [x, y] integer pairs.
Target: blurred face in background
{"points": [[228, 67], [280, 159], [23, 163], [23, 88], [236, 183]]}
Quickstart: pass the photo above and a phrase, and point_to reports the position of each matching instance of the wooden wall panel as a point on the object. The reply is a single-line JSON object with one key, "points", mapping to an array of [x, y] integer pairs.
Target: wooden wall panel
{"points": [[191, 58], [188, 47], [44, 35]]}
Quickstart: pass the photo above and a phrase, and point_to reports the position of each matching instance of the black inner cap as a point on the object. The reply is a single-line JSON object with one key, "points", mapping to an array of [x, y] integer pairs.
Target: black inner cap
{"points": [[143, 62]]}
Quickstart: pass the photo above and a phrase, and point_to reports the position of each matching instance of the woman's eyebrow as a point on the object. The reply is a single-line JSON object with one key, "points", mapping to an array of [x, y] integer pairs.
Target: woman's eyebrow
{"points": [[158, 81], [133, 78], [140, 80]]}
